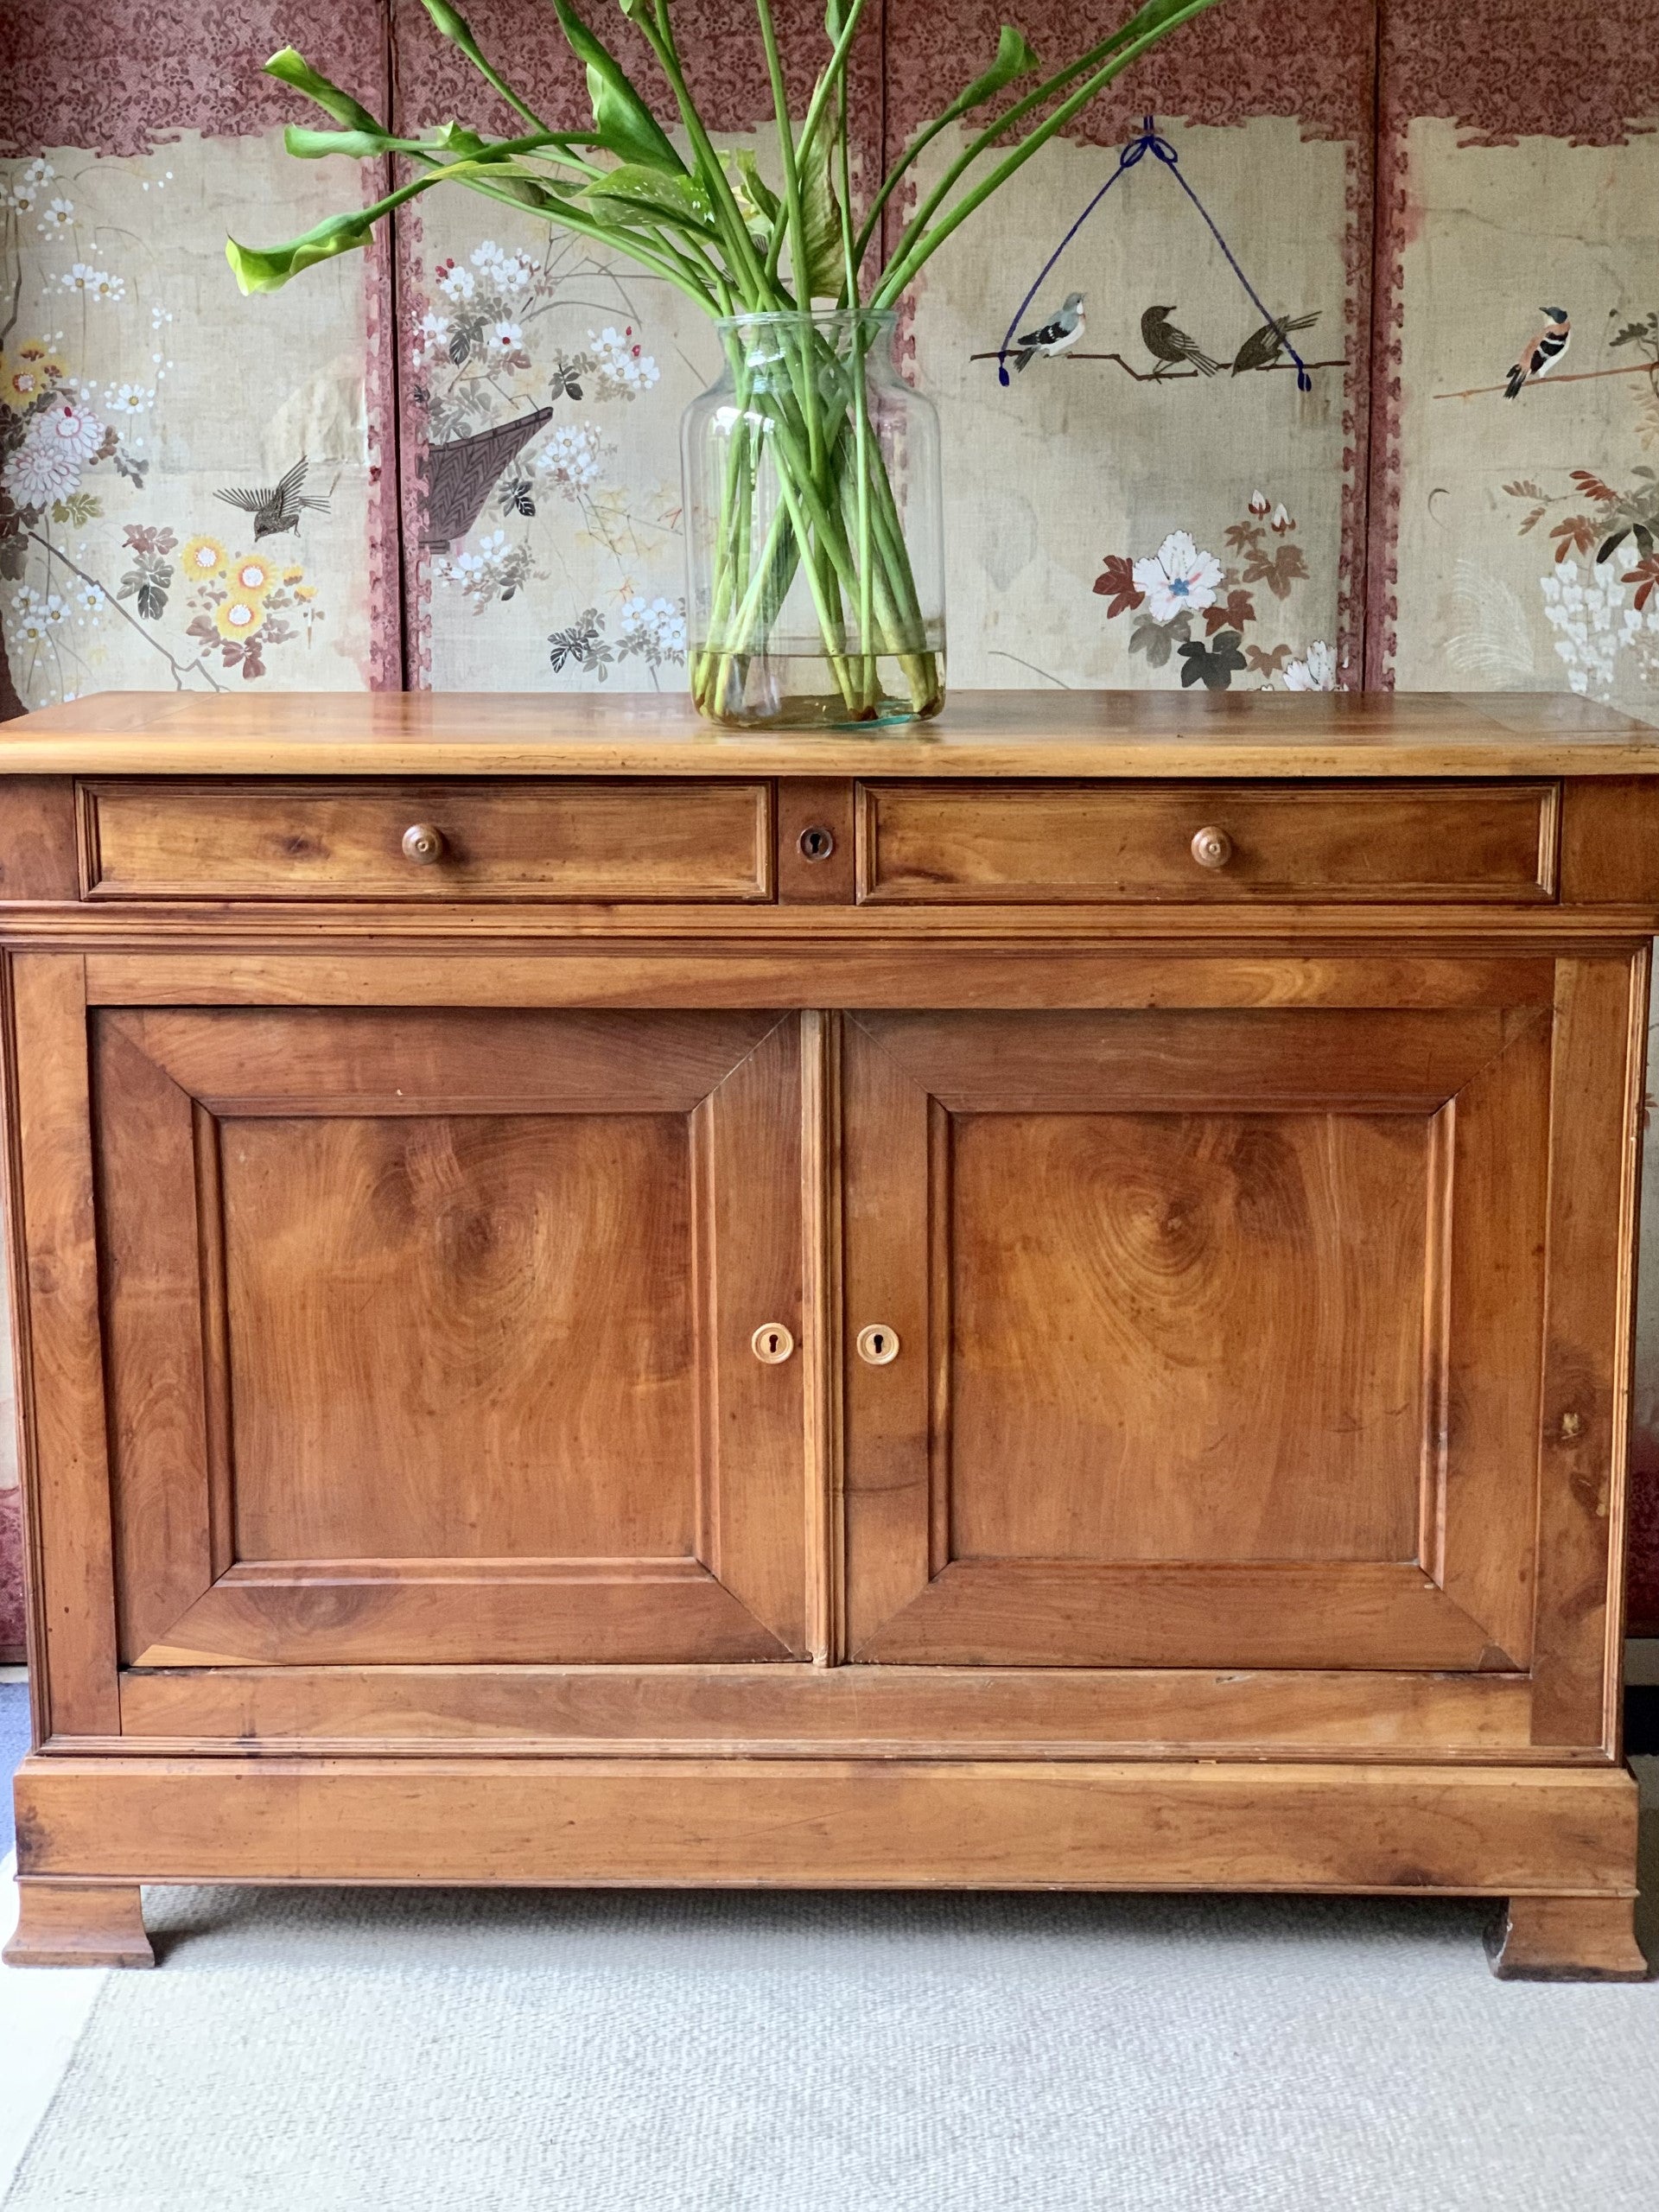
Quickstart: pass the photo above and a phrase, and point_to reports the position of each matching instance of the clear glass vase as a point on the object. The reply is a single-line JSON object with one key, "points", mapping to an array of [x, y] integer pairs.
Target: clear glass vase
{"points": [[813, 529]]}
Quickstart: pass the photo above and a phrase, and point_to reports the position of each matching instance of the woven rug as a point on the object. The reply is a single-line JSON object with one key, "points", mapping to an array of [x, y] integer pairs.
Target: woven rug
{"points": [[478, 2051]]}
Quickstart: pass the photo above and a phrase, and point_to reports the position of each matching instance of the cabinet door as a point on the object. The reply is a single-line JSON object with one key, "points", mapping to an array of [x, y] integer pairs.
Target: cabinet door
{"points": [[429, 1334], [1226, 1337]]}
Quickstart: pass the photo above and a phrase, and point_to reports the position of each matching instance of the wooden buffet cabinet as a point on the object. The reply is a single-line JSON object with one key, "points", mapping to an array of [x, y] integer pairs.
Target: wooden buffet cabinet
{"points": [[1044, 1302]]}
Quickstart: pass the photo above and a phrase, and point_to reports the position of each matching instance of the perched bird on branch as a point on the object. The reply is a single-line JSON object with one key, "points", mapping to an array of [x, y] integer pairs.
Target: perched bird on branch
{"points": [[1540, 357], [1263, 347], [275, 507], [1169, 346], [1058, 336]]}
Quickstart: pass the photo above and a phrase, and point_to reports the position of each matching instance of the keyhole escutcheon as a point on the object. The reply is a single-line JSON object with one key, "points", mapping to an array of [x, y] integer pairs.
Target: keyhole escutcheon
{"points": [[878, 1345], [771, 1343], [816, 843]]}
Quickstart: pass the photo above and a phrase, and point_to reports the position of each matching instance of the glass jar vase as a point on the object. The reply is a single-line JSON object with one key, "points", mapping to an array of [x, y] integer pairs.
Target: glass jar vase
{"points": [[813, 529]]}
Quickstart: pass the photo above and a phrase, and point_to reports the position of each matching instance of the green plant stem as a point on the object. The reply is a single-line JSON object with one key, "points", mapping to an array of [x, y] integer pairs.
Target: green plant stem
{"points": [[906, 263], [658, 34], [794, 217]]}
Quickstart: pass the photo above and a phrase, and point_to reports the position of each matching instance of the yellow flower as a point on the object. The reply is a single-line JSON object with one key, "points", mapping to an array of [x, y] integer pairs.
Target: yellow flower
{"points": [[293, 575], [25, 375], [202, 559], [251, 576], [305, 591], [239, 616]]}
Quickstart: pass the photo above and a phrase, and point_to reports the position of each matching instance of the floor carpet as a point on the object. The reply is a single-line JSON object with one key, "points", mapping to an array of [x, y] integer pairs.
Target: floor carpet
{"points": [[386, 2051], [14, 1742]]}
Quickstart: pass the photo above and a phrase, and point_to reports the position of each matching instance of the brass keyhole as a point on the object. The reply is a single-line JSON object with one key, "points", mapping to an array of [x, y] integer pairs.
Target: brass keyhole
{"points": [[771, 1343], [816, 843], [878, 1345]]}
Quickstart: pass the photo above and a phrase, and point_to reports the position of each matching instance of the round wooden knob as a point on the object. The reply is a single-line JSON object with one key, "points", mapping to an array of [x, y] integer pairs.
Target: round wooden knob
{"points": [[878, 1345], [816, 843], [771, 1343], [1211, 848], [422, 842]]}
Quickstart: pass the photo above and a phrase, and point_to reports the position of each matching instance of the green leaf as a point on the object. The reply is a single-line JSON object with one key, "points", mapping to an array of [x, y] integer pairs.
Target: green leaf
{"points": [[292, 68], [821, 228], [268, 269], [311, 145], [682, 198], [1014, 58], [757, 203], [625, 125]]}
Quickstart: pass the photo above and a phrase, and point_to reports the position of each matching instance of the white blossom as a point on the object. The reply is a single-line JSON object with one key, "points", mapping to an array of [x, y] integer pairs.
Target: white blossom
{"points": [[26, 186], [94, 283], [1317, 673], [58, 217], [1178, 579], [506, 338], [456, 283], [572, 456], [653, 628], [1588, 611], [622, 368]]}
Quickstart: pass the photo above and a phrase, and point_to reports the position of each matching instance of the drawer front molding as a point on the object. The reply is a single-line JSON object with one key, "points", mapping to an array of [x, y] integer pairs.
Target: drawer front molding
{"points": [[1208, 843], [708, 841]]}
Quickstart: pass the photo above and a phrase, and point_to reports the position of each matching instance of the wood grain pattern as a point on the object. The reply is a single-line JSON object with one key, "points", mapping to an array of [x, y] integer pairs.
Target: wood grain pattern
{"points": [[449, 1316], [574, 840], [934, 1712], [65, 1461], [1568, 1939], [1203, 1060], [1609, 839], [1004, 842], [1132, 734], [1204, 1330], [1595, 1133], [78, 1924], [857, 975], [853, 1824], [37, 839]]}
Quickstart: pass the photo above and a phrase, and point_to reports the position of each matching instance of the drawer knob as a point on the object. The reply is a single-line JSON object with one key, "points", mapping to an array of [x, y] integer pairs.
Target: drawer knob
{"points": [[878, 1345], [1211, 848], [816, 843], [771, 1343], [422, 842]]}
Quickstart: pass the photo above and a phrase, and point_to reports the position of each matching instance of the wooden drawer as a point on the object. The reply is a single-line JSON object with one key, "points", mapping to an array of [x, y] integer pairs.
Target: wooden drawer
{"points": [[669, 840], [925, 844]]}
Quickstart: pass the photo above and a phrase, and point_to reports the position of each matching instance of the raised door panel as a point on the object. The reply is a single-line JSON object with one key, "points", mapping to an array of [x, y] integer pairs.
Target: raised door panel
{"points": [[1219, 1335], [428, 1336]]}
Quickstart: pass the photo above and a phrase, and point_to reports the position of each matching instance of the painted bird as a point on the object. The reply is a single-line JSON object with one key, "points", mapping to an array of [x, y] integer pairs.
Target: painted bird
{"points": [[1170, 346], [1056, 336], [275, 507], [1540, 357], [1263, 347]]}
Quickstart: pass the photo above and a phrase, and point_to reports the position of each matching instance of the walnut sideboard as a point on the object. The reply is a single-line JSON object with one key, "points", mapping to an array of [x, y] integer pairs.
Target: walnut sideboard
{"points": [[1042, 1303]]}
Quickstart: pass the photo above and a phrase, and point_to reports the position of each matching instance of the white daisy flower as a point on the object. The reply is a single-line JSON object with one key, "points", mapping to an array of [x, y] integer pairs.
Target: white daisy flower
{"points": [[58, 217], [504, 338], [572, 456]]}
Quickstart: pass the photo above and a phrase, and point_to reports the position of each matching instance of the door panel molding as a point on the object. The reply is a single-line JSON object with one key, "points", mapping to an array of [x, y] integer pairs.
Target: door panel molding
{"points": [[170, 1086]]}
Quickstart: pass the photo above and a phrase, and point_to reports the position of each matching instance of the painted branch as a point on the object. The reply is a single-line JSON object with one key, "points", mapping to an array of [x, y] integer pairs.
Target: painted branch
{"points": [[1580, 376], [1153, 376]]}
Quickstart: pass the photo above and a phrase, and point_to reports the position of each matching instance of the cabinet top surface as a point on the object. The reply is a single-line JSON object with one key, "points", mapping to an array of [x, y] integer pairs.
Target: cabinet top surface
{"points": [[1012, 734]]}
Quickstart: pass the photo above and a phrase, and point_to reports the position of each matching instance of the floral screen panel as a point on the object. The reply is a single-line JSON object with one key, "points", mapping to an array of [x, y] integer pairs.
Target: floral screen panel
{"points": [[194, 487], [1170, 499], [1515, 508]]}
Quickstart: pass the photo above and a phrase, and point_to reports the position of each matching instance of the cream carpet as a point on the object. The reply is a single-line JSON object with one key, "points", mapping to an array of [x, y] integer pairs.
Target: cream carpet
{"points": [[387, 2051]]}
